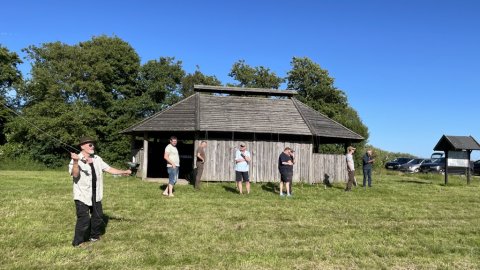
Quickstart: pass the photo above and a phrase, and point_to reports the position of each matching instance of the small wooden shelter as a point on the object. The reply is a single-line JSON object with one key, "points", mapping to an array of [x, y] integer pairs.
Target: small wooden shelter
{"points": [[458, 150], [266, 120]]}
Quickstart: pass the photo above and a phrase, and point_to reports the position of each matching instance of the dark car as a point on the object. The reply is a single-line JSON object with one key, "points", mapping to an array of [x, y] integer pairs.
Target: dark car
{"points": [[413, 166], [438, 166], [396, 163], [476, 167]]}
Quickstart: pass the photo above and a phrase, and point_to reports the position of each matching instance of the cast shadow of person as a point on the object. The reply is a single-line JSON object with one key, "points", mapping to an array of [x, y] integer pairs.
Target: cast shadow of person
{"points": [[230, 189], [326, 181], [162, 187], [270, 187]]}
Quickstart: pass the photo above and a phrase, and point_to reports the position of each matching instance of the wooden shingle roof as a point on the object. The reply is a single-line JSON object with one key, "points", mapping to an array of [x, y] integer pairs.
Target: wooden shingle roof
{"points": [[250, 114], [179, 117], [456, 143], [205, 112], [322, 126]]}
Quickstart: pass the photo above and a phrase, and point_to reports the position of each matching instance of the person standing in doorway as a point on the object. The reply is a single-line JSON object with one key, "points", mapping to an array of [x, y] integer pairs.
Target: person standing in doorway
{"points": [[242, 161], [86, 170], [350, 167], [285, 166], [367, 168], [200, 161], [173, 165]]}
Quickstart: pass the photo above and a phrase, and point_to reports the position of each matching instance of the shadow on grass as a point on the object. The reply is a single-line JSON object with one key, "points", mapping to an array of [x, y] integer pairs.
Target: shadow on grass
{"points": [[106, 220], [414, 182], [270, 187], [230, 189], [164, 186]]}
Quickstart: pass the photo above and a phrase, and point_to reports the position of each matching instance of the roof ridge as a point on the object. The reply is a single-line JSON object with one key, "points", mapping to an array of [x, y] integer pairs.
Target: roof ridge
{"points": [[197, 109], [328, 118], [307, 122]]}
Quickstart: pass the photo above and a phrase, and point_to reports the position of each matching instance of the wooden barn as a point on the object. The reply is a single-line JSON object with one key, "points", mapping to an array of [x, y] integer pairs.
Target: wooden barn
{"points": [[266, 120]]}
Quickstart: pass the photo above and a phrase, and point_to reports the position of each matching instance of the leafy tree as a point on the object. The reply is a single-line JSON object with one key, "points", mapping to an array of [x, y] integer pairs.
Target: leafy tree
{"points": [[259, 77], [10, 77], [316, 89], [197, 78], [77, 90], [160, 83]]}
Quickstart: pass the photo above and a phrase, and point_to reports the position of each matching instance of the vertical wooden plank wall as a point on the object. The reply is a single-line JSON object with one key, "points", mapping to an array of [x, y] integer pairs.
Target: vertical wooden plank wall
{"points": [[333, 167], [309, 168], [264, 165]]}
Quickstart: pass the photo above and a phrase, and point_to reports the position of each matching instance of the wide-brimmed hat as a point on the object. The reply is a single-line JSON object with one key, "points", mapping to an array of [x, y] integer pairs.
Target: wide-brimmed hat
{"points": [[85, 139], [242, 144], [351, 148]]}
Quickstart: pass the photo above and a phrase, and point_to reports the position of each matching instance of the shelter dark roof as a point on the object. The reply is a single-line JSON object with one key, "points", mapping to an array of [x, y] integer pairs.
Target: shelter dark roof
{"points": [[456, 143], [206, 112]]}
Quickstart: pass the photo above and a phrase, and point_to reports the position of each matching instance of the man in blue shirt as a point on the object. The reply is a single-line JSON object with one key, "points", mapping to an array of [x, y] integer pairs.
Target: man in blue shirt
{"points": [[367, 168]]}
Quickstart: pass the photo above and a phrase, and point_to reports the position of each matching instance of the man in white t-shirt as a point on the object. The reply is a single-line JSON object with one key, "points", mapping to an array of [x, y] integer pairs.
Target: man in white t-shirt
{"points": [[173, 165], [242, 161]]}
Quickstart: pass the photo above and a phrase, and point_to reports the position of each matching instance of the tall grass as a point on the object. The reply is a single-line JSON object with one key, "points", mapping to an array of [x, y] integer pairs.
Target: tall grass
{"points": [[403, 222]]}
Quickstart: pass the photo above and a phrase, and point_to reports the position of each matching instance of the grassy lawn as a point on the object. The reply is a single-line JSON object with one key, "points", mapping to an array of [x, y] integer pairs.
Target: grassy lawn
{"points": [[403, 222]]}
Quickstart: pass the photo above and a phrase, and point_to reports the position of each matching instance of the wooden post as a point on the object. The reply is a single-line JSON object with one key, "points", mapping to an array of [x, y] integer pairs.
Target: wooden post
{"points": [[310, 164], [468, 167], [446, 167], [145, 156]]}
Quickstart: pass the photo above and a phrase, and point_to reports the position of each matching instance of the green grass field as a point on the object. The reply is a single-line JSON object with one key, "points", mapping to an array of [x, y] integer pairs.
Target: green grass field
{"points": [[403, 222]]}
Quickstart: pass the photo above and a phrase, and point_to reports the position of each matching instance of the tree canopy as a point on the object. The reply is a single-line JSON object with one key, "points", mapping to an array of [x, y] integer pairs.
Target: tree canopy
{"points": [[10, 77], [99, 87], [259, 77], [316, 88]]}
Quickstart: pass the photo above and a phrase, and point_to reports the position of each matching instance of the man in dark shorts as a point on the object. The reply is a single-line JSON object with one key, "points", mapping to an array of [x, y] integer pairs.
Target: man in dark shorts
{"points": [[242, 161], [285, 166]]}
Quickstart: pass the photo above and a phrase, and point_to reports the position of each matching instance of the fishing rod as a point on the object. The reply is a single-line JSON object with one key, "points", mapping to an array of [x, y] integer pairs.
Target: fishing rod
{"points": [[63, 145]]}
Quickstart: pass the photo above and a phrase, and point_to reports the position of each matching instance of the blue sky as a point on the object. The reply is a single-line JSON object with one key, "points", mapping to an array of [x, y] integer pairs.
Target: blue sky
{"points": [[410, 68]]}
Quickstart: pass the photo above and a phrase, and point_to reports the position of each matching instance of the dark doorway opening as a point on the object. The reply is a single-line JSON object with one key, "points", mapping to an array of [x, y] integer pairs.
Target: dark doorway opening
{"points": [[157, 165]]}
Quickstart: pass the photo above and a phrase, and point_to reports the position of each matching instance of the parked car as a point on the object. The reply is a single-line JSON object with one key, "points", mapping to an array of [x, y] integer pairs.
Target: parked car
{"points": [[396, 163], [413, 166], [438, 166], [476, 167], [436, 155]]}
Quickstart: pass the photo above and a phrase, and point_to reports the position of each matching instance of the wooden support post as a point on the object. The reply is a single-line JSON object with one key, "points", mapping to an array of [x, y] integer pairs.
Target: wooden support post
{"points": [[446, 167], [468, 167], [145, 156]]}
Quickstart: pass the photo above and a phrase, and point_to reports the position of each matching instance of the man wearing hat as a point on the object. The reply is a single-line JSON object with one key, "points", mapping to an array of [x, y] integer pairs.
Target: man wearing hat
{"points": [[86, 170], [350, 167], [242, 161]]}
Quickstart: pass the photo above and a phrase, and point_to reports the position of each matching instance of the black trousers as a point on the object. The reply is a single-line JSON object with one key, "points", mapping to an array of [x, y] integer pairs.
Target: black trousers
{"points": [[87, 216]]}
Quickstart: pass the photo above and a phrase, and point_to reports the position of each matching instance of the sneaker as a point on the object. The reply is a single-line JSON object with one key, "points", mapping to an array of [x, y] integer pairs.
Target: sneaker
{"points": [[171, 195], [93, 239], [165, 193], [281, 194], [289, 195]]}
